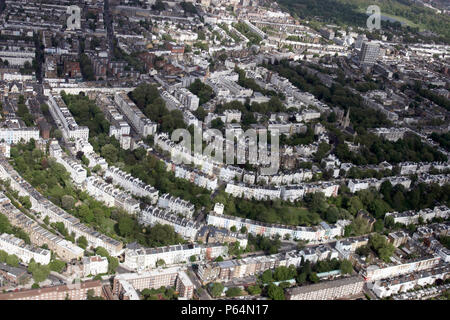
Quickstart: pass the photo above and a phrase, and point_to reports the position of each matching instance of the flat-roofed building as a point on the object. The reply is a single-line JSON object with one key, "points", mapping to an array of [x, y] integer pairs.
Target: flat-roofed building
{"points": [[328, 290], [62, 292]]}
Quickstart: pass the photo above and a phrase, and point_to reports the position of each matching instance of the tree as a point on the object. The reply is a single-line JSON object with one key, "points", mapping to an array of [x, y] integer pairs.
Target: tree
{"points": [[233, 292], [12, 260], [275, 293], [3, 256], [126, 225], [113, 263], [82, 242], [5, 226], [67, 202], [254, 290], [216, 289], [192, 258], [301, 278], [355, 205], [346, 267], [160, 262], [233, 229], [266, 277], [282, 273], [109, 152], [313, 277], [381, 246], [332, 214], [39, 272], [244, 229], [101, 252], [57, 265]]}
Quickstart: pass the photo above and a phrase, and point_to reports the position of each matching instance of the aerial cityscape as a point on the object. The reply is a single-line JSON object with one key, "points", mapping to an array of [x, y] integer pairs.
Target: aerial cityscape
{"points": [[232, 150]]}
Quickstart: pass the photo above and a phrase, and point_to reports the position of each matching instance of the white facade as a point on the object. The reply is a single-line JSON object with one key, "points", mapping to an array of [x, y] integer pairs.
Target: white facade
{"points": [[95, 265], [138, 120], [16, 246], [65, 121], [134, 185], [146, 258]]}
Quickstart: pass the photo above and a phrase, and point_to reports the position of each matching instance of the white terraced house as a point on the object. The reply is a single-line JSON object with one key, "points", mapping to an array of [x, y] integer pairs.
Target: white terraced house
{"points": [[176, 205], [141, 258], [112, 196], [23, 251], [412, 217], [15, 135], [76, 170], [185, 227], [95, 265], [134, 185], [136, 118], [234, 269], [396, 285], [42, 205], [65, 121], [319, 233], [38, 235], [356, 185]]}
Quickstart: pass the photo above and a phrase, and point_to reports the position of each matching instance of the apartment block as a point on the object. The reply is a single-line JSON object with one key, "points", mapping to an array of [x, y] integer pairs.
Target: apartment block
{"points": [[61, 292], [126, 284], [328, 290]]}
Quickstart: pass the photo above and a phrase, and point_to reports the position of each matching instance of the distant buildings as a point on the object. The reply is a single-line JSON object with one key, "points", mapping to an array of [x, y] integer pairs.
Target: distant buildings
{"points": [[210, 234], [38, 235], [229, 270], [362, 184], [56, 214], [390, 134], [76, 170], [15, 135]]}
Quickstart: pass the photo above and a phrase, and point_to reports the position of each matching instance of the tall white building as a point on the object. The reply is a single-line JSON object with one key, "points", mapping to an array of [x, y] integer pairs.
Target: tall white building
{"points": [[138, 120], [65, 121]]}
